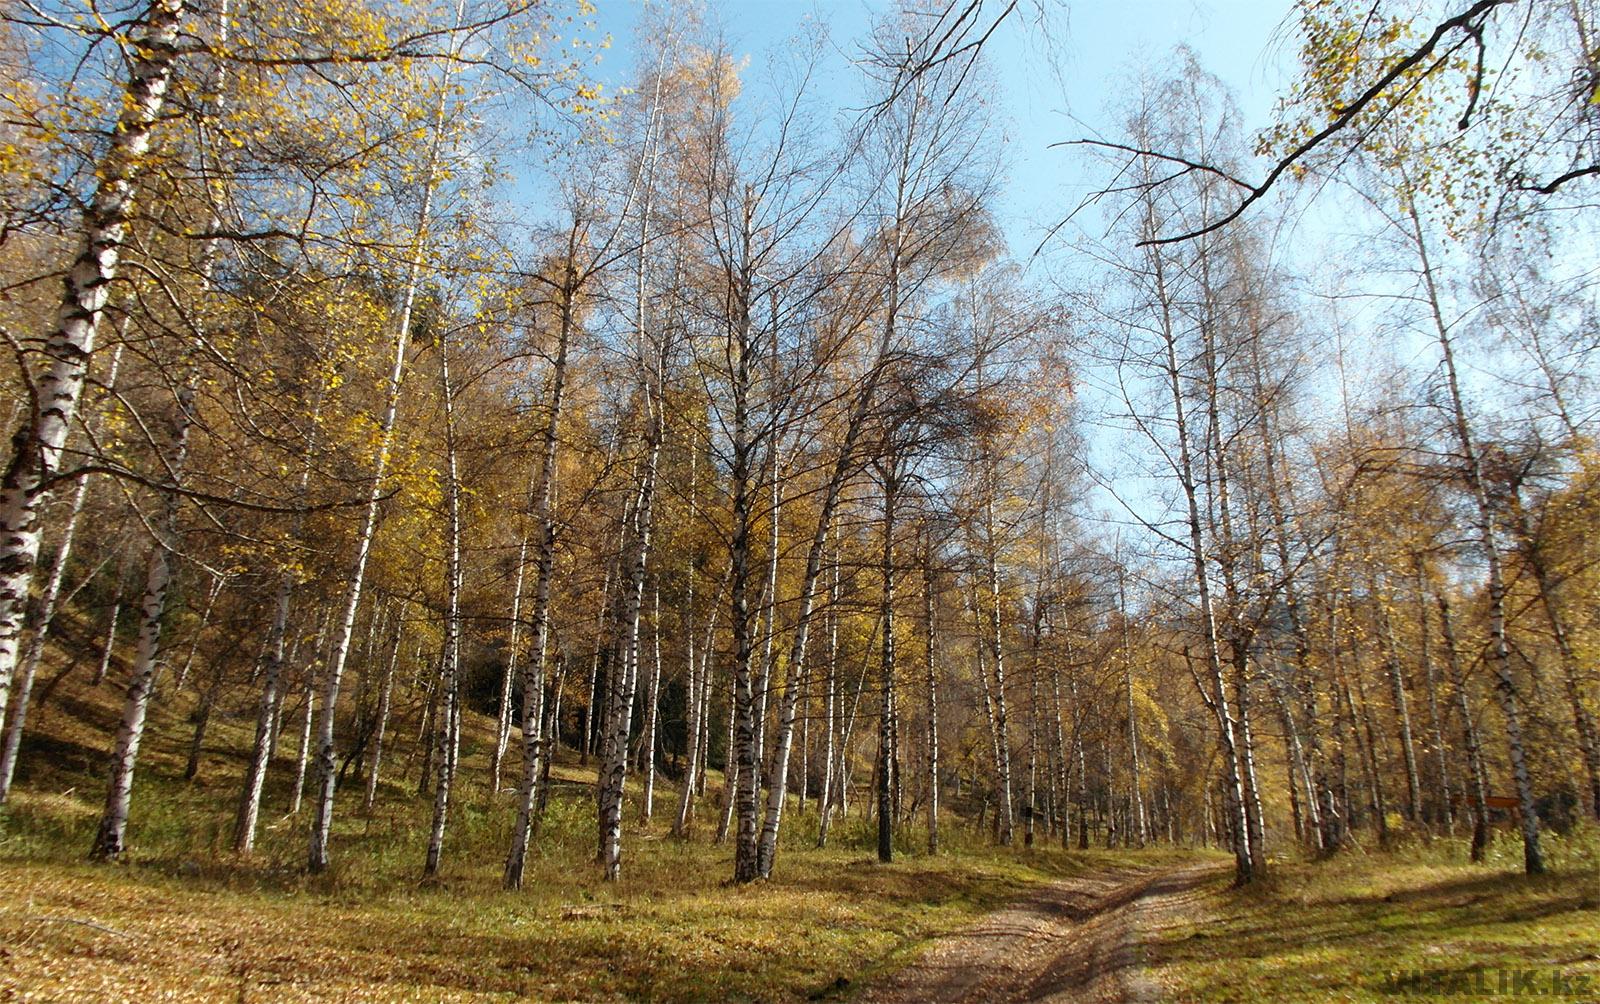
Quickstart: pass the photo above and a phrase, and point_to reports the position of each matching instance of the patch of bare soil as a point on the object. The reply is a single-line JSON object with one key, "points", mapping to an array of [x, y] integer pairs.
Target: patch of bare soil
{"points": [[1073, 940]]}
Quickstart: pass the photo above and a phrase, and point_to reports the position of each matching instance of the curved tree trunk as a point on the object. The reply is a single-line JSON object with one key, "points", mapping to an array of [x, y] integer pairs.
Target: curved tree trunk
{"points": [[697, 680], [70, 344]]}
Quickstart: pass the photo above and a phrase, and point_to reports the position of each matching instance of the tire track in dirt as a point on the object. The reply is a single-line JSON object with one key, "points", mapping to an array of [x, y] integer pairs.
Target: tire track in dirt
{"points": [[1072, 940]]}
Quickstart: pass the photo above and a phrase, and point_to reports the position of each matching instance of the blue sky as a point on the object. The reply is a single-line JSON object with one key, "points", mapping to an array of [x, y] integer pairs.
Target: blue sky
{"points": [[1051, 89]]}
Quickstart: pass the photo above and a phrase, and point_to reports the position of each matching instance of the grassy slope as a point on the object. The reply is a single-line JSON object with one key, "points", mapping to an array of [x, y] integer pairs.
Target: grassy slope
{"points": [[187, 920], [186, 917], [1340, 930]]}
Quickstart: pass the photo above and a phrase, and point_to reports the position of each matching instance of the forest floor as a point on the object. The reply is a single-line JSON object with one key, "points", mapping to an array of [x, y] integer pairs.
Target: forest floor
{"points": [[185, 919]]}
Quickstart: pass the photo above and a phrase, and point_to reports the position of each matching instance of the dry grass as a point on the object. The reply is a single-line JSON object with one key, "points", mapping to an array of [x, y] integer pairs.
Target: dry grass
{"points": [[1346, 929], [185, 919]]}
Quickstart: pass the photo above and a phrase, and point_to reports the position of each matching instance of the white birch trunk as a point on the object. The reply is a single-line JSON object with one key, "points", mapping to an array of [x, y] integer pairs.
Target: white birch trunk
{"points": [[108, 649], [886, 765], [217, 582], [70, 344], [449, 736], [502, 735], [303, 757], [544, 553], [619, 699], [271, 703], [697, 680], [861, 409], [1135, 779], [1244, 867], [17, 721], [652, 712], [830, 700], [996, 641], [110, 837], [385, 701]]}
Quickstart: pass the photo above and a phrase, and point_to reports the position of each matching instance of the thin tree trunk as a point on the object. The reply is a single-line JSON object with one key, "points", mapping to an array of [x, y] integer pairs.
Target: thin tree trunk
{"points": [[730, 764], [1583, 723], [830, 699], [652, 709], [1402, 708], [202, 720], [815, 554], [619, 700], [109, 841], [1475, 769], [427, 735], [996, 745], [591, 724], [502, 735], [1445, 794], [1362, 714], [1031, 809], [1135, 775], [217, 582], [450, 682], [803, 775], [1253, 813], [1499, 647], [929, 662], [700, 731], [886, 766], [109, 648], [697, 681], [1063, 759], [694, 704], [1081, 793], [271, 703], [322, 817], [301, 760], [769, 613], [1244, 863], [997, 642], [1328, 833], [385, 701], [110, 838]]}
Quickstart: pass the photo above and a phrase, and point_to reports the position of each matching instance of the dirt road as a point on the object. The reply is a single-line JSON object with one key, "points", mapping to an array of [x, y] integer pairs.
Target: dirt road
{"points": [[1073, 940]]}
